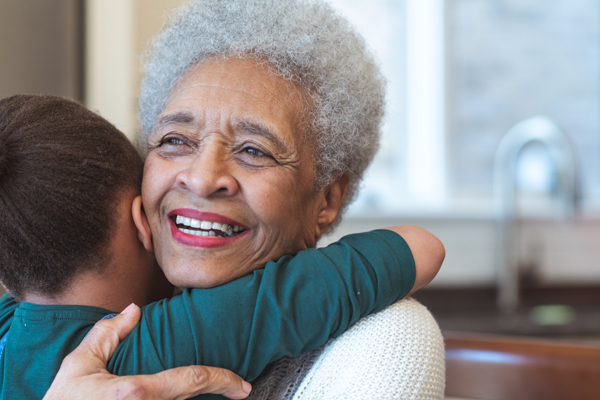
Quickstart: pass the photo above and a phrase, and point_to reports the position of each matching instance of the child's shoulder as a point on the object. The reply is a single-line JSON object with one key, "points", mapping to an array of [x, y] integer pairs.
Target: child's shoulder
{"points": [[8, 305]]}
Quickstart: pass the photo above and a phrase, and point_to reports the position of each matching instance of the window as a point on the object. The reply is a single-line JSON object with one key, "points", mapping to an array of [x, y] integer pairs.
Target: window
{"points": [[461, 74]]}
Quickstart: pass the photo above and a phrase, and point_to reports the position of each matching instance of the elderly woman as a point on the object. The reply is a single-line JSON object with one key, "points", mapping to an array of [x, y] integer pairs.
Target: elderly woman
{"points": [[264, 115], [259, 119]]}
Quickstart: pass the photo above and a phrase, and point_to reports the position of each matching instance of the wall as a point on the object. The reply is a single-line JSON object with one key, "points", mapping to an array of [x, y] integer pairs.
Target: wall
{"points": [[117, 34], [40, 48]]}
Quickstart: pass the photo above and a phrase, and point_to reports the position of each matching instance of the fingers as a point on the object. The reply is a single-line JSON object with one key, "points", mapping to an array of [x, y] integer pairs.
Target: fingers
{"points": [[103, 339], [185, 382]]}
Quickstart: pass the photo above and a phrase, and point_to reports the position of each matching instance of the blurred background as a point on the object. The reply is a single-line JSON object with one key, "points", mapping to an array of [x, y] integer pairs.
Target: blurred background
{"points": [[491, 140]]}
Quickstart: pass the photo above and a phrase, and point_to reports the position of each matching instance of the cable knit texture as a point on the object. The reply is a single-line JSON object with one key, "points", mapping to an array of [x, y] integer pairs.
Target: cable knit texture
{"points": [[397, 353]]}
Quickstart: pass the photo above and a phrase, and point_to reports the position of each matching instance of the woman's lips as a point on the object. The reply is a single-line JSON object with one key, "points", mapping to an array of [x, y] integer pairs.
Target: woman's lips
{"points": [[202, 229]]}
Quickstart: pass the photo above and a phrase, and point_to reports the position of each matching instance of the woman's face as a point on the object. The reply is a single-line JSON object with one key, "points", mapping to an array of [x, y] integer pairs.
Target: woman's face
{"points": [[228, 154]]}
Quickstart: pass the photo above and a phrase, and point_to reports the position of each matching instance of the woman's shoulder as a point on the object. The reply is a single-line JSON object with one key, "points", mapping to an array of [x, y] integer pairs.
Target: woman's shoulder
{"points": [[395, 354], [406, 322]]}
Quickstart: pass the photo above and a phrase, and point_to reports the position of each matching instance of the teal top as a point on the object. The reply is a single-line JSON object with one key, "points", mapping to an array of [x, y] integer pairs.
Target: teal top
{"points": [[291, 306]]}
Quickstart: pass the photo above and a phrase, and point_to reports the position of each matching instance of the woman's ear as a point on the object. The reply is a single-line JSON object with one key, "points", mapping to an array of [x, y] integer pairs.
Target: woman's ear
{"points": [[141, 222], [334, 196]]}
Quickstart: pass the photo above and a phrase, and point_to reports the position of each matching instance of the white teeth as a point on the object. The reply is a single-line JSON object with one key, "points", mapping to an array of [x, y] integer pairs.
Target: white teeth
{"points": [[191, 232], [206, 225], [194, 223]]}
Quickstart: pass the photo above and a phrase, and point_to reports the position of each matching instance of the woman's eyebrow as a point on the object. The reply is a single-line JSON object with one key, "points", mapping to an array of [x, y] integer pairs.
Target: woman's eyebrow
{"points": [[263, 131], [179, 118]]}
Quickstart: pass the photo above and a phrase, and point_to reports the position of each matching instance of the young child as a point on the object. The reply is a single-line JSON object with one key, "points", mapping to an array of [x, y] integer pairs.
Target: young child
{"points": [[69, 253]]}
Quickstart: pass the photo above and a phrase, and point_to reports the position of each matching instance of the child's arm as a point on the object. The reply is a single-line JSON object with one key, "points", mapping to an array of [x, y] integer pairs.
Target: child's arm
{"points": [[427, 250], [294, 305], [83, 374]]}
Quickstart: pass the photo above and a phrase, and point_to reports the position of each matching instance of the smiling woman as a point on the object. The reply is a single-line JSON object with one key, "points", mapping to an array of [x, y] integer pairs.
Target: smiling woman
{"points": [[264, 115], [229, 149]]}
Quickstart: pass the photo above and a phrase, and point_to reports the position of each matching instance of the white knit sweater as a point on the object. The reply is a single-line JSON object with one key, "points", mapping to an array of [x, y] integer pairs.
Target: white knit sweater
{"points": [[397, 353]]}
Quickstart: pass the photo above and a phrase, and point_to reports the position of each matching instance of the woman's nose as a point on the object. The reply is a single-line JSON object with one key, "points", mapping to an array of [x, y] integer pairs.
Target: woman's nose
{"points": [[209, 174]]}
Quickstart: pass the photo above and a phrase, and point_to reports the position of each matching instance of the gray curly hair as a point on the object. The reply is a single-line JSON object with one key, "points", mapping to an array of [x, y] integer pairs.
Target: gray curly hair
{"points": [[307, 42]]}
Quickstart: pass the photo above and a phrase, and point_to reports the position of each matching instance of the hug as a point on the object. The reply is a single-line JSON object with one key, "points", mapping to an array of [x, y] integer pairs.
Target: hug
{"points": [[258, 120]]}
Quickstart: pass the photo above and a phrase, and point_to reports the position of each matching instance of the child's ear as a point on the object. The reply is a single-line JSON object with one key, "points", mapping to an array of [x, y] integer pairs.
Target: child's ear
{"points": [[141, 222]]}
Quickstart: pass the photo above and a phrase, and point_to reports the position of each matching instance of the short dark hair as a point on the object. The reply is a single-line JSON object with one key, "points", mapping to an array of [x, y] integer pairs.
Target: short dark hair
{"points": [[63, 172]]}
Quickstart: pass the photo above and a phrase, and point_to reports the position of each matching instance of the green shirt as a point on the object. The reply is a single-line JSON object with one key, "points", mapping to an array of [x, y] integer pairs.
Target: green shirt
{"points": [[291, 306]]}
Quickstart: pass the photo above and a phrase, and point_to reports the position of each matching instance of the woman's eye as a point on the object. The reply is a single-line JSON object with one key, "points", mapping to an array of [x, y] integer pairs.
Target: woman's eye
{"points": [[255, 157], [172, 140], [174, 145], [254, 152]]}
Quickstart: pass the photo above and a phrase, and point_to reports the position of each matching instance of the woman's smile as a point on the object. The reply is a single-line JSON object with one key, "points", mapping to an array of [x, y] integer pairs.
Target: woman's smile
{"points": [[202, 229]]}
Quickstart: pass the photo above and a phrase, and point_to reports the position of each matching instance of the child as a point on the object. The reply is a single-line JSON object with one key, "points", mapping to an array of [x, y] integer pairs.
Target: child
{"points": [[70, 253]]}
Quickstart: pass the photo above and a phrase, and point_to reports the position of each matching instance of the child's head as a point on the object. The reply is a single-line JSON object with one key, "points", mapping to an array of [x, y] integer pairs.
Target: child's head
{"points": [[63, 172]]}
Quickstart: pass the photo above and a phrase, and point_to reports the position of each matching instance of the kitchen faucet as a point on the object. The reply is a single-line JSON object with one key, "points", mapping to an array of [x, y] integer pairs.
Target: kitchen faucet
{"points": [[545, 131]]}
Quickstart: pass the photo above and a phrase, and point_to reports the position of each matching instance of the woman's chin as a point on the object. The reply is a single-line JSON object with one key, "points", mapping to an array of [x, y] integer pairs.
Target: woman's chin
{"points": [[199, 278], [191, 261]]}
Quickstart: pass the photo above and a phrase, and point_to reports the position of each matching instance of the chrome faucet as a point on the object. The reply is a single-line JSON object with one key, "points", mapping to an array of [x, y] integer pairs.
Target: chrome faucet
{"points": [[546, 132]]}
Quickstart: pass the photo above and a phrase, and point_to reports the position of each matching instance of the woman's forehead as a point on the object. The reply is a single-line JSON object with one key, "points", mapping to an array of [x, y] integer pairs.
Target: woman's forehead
{"points": [[239, 77], [246, 95]]}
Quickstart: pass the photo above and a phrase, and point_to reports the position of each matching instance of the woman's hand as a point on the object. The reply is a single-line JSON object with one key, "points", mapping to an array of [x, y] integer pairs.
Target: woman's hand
{"points": [[83, 373]]}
